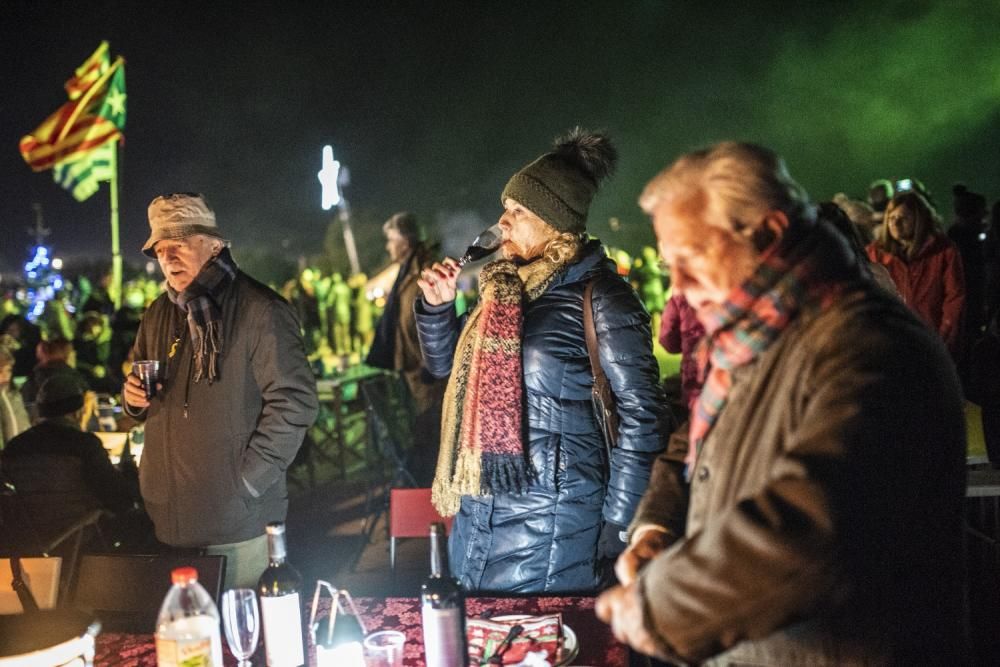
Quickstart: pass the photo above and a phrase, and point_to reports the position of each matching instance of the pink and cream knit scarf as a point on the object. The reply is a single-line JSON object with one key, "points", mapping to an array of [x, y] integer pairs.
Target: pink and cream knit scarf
{"points": [[482, 448]]}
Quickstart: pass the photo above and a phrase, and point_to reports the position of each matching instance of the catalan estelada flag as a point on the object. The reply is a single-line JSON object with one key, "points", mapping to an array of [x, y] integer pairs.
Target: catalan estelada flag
{"points": [[83, 177], [89, 72], [95, 118]]}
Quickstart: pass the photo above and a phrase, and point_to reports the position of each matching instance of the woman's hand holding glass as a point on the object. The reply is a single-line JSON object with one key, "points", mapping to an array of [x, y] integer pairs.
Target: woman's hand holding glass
{"points": [[439, 283]]}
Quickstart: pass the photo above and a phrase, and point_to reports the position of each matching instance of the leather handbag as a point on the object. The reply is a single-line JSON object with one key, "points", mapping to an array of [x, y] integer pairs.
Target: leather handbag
{"points": [[601, 396]]}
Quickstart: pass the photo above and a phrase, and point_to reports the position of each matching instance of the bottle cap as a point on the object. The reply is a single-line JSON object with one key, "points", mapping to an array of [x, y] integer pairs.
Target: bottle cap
{"points": [[183, 575], [275, 528]]}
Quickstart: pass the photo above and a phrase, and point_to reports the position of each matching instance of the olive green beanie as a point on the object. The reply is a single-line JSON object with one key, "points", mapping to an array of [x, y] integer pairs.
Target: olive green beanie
{"points": [[559, 186]]}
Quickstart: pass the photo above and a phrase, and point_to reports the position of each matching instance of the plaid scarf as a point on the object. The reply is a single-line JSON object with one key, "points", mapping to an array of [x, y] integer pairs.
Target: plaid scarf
{"points": [[806, 273], [482, 449], [202, 301]]}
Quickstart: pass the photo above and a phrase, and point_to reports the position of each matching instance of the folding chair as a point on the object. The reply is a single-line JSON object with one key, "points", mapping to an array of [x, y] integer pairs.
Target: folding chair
{"points": [[390, 422], [46, 509], [410, 515], [125, 592], [42, 578]]}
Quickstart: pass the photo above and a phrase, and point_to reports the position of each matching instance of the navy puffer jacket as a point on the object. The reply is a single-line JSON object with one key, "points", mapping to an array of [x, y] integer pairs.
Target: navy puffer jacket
{"points": [[546, 539]]}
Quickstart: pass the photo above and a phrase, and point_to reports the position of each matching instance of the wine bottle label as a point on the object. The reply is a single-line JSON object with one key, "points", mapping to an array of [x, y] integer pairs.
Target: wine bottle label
{"points": [[443, 640], [282, 620]]}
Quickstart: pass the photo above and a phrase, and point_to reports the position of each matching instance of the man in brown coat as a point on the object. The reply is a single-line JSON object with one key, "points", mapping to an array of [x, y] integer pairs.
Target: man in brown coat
{"points": [[823, 521], [396, 346]]}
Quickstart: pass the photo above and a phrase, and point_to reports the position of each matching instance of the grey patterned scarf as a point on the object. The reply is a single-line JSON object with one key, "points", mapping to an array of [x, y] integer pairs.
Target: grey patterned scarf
{"points": [[202, 301]]}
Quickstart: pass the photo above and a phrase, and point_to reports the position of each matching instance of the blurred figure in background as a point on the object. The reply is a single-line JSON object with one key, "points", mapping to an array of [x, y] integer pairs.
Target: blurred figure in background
{"points": [[363, 329], [992, 260], [924, 265], [860, 213], [62, 472], [340, 314], [13, 416], [56, 320], [647, 279], [397, 347], [880, 192], [835, 215], [968, 233], [680, 333], [124, 327], [55, 357], [27, 336], [93, 348]]}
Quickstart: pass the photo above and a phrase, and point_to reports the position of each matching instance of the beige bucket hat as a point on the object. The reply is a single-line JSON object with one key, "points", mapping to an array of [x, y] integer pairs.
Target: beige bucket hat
{"points": [[177, 216]]}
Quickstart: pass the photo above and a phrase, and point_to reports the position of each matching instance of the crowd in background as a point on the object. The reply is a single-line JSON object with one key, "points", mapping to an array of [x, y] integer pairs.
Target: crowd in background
{"points": [[948, 271]]}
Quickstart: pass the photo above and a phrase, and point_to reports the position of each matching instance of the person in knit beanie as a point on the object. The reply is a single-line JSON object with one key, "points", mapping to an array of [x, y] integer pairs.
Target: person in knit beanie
{"points": [[540, 500]]}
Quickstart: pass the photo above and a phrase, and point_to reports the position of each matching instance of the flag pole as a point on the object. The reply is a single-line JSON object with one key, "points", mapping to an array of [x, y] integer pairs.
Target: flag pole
{"points": [[115, 289]]}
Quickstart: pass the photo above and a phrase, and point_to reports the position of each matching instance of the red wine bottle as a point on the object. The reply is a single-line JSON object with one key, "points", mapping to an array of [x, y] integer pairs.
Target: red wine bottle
{"points": [[442, 606]]}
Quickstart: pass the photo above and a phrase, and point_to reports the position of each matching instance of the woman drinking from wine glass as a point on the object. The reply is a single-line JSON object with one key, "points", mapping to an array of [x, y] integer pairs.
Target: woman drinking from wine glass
{"points": [[540, 503]]}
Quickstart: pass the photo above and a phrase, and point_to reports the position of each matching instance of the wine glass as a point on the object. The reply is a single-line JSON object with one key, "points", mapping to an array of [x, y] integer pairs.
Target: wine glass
{"points": [[241, 621]]}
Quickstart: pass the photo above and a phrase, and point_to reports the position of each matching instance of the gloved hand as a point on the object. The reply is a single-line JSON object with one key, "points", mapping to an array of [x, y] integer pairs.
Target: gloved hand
{"points": [[610, 545]]}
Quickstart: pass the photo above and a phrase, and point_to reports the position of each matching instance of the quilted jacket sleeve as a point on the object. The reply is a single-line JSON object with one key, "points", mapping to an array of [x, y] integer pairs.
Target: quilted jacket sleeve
{"points": [[437, 328], [624, 342]]}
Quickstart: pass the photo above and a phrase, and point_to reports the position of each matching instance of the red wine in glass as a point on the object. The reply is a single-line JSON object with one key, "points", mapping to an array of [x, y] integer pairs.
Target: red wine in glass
{"points": [[485, 244]]}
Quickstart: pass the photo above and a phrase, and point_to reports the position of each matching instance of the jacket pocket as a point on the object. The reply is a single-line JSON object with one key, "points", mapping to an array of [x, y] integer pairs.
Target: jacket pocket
{"points": [[545, 452]]}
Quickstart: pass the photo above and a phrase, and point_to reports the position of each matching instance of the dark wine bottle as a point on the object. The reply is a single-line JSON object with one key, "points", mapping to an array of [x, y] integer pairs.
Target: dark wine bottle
{"points": [[486, 243], [280, 605], [442, 606]]}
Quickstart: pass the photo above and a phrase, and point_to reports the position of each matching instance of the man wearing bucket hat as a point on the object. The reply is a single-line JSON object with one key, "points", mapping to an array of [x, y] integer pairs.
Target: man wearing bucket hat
{"points": [[235, 398]]}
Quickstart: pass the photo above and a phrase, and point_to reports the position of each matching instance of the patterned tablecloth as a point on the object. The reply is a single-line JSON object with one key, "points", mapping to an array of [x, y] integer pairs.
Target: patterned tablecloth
{"points": [[597, 645]]}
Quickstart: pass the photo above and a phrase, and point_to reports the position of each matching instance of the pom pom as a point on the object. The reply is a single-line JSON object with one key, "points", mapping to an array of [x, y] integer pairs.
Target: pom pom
{"points": [[592, 152]]}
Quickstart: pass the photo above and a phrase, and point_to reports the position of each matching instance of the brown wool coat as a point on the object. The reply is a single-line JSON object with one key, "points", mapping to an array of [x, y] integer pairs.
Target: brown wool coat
{"points": [[824, 521], [408, 360]]}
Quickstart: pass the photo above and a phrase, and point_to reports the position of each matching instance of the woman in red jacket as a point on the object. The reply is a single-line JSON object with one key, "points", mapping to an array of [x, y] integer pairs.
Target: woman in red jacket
{"points": [[923, 263]]}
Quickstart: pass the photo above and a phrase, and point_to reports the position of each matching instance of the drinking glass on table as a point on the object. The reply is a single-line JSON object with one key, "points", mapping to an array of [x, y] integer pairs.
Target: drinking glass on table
{"points": [[241, 621], [384, 649]]}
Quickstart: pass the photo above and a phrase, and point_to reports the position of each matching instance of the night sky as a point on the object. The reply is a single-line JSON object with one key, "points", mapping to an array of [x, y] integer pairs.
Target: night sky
{"points": [[433, 105]]}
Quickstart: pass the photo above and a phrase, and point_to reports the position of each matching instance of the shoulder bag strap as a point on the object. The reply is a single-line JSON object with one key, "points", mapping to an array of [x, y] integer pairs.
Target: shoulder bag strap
{"points": [[591, 334]]}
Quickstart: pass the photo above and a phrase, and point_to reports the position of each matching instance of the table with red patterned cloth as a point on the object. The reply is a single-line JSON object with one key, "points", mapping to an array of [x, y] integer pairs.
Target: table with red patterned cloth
{"points": [[597, 645]]}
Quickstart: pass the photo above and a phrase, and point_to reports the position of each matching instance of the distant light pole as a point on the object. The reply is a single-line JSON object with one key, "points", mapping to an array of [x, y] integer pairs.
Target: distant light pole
{"points": [[332, 176]]}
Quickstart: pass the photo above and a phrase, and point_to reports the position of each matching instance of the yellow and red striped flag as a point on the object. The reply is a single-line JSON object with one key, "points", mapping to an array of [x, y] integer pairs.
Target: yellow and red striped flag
{"points": [[89, 72], [95, 118]]}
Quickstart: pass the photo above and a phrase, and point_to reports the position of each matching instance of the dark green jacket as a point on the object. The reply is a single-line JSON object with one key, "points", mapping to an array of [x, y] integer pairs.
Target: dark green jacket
{"points": [[214, 472]]}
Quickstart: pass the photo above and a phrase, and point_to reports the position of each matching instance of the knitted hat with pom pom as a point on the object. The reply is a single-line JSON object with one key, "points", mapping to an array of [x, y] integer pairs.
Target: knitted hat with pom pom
{"points": [[559, 185]]}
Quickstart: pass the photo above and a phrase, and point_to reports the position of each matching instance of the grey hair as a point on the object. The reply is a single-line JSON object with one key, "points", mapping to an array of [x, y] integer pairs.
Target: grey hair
{"points": [[731, 186], [406, 224]]}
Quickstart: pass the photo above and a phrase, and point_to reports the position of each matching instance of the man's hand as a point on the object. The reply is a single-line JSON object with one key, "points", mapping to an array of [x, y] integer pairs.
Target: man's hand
{"points": [[646, 543], [439, 283], [134, 394], [621, 607]]}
